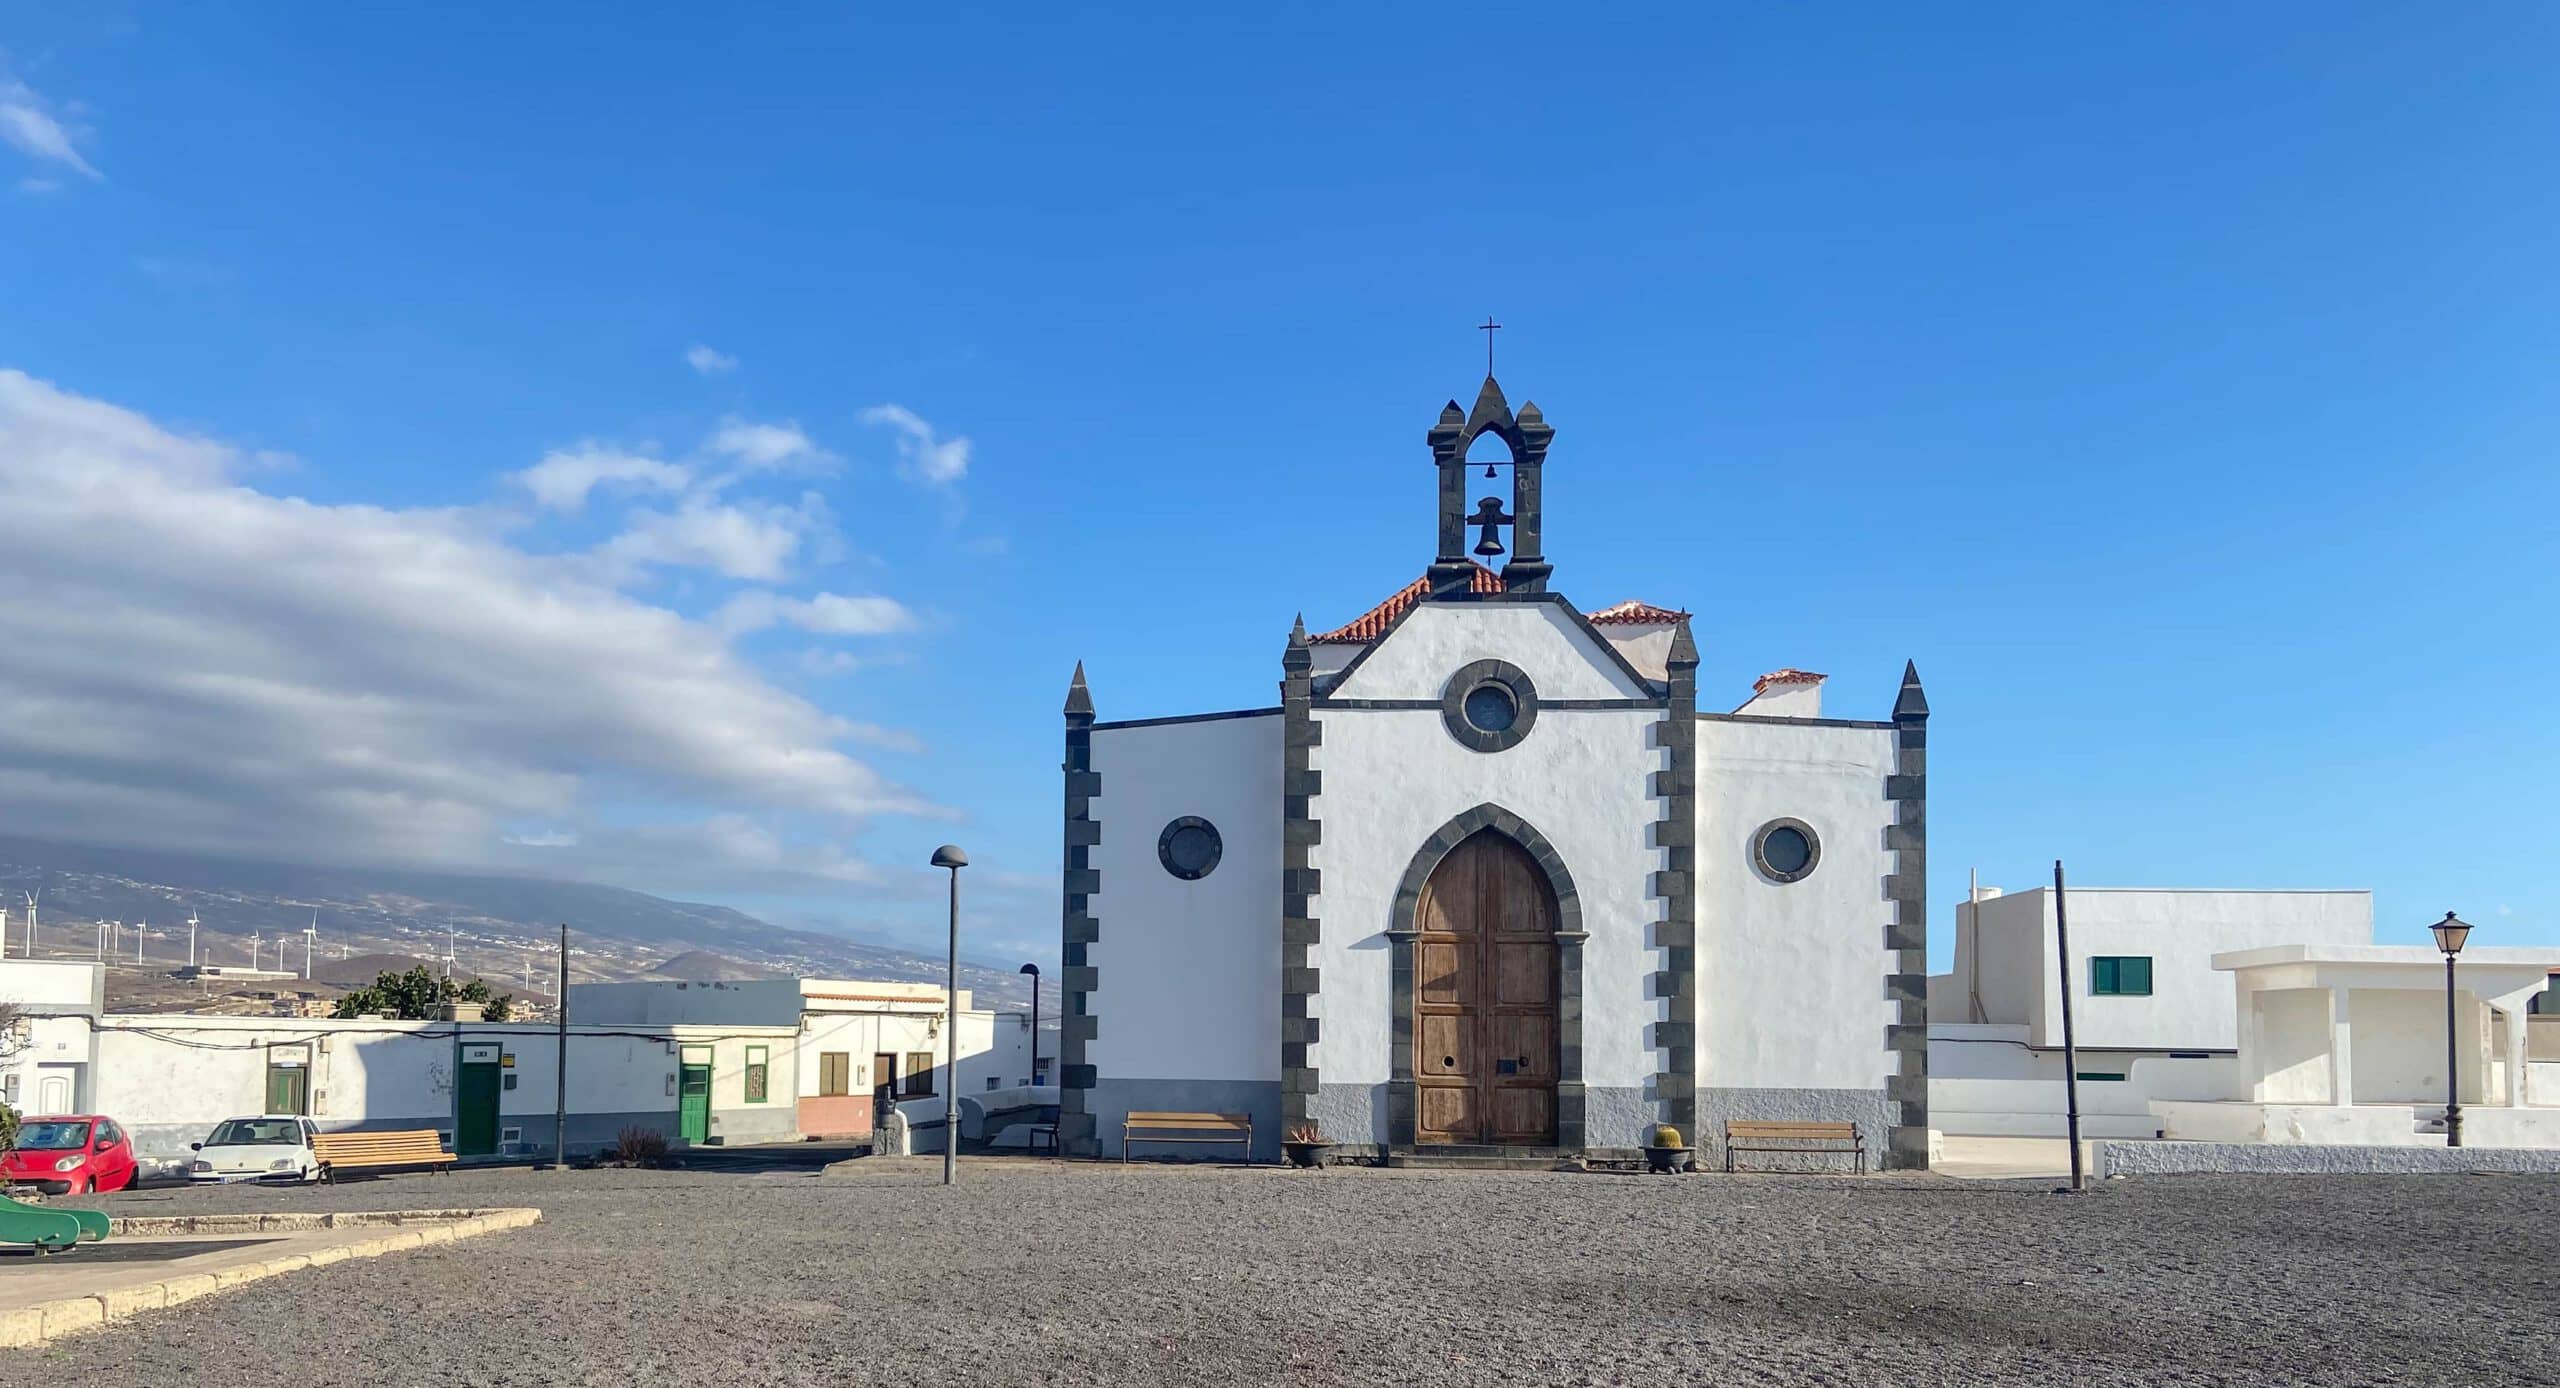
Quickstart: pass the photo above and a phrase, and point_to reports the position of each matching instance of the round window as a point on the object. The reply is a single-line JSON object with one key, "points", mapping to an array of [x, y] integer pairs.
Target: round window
{"points": [[1490, 708], [1190, 848], [1489, 705], [1786, 849]]}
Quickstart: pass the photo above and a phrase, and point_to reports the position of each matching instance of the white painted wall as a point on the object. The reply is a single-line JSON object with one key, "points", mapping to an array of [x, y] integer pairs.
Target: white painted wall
{"points": [[1787, 699], [1558, 654], [57, 999], [1189, 972], [1791, 975], [1392, 778], [2191, 1004]]}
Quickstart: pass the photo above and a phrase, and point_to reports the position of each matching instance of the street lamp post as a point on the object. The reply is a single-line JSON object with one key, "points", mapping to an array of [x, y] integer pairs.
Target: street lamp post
{"points": [[2450, 934], [1034, 971], [950, 856]]}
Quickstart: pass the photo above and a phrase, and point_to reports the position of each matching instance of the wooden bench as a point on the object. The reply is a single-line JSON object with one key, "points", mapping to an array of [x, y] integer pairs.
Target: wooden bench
{"points": [[1191, 1127], [1753, 1135], [348, 1151]]}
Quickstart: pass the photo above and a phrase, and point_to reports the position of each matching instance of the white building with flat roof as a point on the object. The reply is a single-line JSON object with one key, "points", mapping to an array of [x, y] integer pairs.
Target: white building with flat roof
{"points": [[2151, 1014], [853, 1037]]}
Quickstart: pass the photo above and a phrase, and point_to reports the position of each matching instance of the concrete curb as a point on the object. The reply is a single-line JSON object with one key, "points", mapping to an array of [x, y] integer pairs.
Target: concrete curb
{"points": [[28, 1326]]}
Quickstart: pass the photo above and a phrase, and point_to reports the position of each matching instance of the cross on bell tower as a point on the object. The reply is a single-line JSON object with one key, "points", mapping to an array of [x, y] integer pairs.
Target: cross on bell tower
{"points": [[1526, 435]]}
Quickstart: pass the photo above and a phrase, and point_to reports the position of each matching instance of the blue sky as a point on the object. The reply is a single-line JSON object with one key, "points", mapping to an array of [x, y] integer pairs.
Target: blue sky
{"points": [[2172, 386]]}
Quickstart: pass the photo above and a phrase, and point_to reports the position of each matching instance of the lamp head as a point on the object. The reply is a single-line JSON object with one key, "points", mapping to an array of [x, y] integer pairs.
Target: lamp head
{"points": [[950, 856], [1031, 969], [2451, 933]]}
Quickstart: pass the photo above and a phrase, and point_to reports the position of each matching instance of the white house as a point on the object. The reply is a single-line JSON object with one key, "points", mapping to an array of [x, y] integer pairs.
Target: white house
{"points": [[44, 1057], [1490, 877], [853, 1036], [2151, 1016]]}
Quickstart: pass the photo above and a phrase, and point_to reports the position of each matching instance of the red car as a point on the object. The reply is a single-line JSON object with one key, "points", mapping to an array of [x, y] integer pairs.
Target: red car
{"points": [[74, 1155]]}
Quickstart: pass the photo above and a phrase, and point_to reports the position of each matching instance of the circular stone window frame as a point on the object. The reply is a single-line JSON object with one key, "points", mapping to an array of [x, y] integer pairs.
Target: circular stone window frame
{"points": [[1760, 850], [1476, 675], [1164, 847]]}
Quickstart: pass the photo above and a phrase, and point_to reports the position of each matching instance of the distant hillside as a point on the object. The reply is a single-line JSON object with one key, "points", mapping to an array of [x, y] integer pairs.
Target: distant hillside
{"points": [[498, 927], [700, 966]]}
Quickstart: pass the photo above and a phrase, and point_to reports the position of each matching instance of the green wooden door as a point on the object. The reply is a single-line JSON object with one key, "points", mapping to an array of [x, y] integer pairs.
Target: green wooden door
{"points": [[474, 1110], [693, 1107], [288, 1089]]}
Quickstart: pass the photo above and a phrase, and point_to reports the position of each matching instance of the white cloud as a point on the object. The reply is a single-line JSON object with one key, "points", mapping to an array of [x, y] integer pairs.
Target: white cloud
{"points": [[922, 456], [706, 361], [189, 662], [38, 187], [748, 540], [562, 480], [764, 445], [827, 614], [26, 123]]}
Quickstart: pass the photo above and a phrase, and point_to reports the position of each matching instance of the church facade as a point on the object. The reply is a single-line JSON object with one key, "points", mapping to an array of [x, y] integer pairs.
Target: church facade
{"points": [[1488, 877]]}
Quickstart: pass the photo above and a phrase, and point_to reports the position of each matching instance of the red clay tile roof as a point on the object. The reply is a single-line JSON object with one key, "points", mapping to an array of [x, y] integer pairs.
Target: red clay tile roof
{"points": [[1634, 613], [1788, 676], [1374, 623]]}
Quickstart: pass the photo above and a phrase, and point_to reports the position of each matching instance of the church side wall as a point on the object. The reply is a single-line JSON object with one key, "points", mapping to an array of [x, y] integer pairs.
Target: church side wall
{"points": [[1394, 777], [1187, 973], [1792, 1005]]}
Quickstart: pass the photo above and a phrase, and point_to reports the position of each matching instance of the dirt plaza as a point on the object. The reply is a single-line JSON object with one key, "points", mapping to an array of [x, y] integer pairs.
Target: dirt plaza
{"points": [[769, 1272]]}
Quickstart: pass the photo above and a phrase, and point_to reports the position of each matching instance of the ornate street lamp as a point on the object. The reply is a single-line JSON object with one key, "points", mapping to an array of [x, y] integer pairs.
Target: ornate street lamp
{"points": [[950, 856], [2450, 934]]}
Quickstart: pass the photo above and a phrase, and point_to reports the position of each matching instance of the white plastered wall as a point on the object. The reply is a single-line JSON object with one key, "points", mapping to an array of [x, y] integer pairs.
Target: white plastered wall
{"points": [[1393, 777], [1188, 972], [1790, 977], [1558, 654]]}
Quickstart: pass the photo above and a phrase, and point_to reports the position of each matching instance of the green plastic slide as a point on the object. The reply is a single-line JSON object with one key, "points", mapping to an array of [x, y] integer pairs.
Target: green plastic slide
{"points": [[47, 1227]]}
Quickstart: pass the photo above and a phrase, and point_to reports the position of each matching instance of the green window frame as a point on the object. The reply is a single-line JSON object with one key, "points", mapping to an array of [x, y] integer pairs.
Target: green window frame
{"points": [[2120, 976], [759, 1074]]}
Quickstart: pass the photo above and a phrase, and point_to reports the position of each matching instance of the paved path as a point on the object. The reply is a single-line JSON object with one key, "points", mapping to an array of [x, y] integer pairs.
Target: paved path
{"points": [[1036, 1272]]}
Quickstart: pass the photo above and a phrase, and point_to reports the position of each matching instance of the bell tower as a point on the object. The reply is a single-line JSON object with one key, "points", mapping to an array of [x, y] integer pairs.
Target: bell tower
{"points": [[1526, 435]]}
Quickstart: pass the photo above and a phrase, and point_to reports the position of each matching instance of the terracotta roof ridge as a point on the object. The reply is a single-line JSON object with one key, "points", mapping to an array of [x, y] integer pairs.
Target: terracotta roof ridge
{"points": [[1372, 624]]}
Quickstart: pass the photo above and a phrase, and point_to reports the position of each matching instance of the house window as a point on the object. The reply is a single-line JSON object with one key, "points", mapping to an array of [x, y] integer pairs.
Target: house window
{"points": [[835, 1074], [2101, 1075], [1786, 850], [919, 1082], [757, 1073], [1190, 848], [2120, 975]]}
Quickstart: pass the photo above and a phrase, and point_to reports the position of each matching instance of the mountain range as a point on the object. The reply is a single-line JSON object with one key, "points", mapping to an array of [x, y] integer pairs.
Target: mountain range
{"points": [[494, 926]]}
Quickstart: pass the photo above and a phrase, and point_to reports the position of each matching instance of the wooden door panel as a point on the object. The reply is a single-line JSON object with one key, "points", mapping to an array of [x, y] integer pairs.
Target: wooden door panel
{"points": [[1441, 969], [1447, 1046], [1524, 972], [1524, 1114], [1446, 1113], [1528, 1042]]}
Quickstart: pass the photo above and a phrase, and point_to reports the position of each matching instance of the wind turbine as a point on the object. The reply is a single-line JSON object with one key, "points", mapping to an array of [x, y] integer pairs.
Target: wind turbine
{"points": [[310, 939], [191, 937], [4, 932], [102, 942], [141, 933], [31, 919], [448, 952], [253, 950]]}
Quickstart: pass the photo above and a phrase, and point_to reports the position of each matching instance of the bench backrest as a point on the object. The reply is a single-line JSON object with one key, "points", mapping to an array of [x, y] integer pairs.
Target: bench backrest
{"points": [[1193, 1122], [1765, 1128], [420, 1144]]}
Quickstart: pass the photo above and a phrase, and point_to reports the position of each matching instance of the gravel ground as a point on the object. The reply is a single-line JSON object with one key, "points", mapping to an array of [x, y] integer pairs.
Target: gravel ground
{"points": [[1037, 1272]]}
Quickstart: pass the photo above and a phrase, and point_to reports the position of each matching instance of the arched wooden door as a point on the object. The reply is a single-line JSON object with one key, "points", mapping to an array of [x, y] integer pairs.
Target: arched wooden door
{"points": [[1484, 998]]}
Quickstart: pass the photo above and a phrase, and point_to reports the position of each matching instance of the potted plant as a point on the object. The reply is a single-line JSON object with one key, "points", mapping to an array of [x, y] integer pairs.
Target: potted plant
{"points": [[1668, 1151], [1306, 1145]]}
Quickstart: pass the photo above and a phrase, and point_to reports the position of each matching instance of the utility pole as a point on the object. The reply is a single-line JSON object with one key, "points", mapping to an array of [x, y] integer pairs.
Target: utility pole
{"points": [[560, 1079], [2070, 1052]]}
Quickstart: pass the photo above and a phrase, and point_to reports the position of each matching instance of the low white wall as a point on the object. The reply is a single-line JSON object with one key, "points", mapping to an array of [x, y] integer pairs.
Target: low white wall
{"points": [[2376, 1125]]}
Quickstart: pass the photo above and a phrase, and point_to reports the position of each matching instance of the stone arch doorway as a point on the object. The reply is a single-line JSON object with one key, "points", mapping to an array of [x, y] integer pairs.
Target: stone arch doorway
{"points": [[1488, 991]]}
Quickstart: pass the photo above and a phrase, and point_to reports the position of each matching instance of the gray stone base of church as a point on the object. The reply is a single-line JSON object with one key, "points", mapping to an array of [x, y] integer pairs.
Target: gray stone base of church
{"points": [[1613, 1116], [1111, 1101], [1873, 1112]]}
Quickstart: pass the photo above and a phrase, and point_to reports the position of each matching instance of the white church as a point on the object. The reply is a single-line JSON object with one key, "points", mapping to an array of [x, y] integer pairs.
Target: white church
{"points": [[1490, 881]]}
